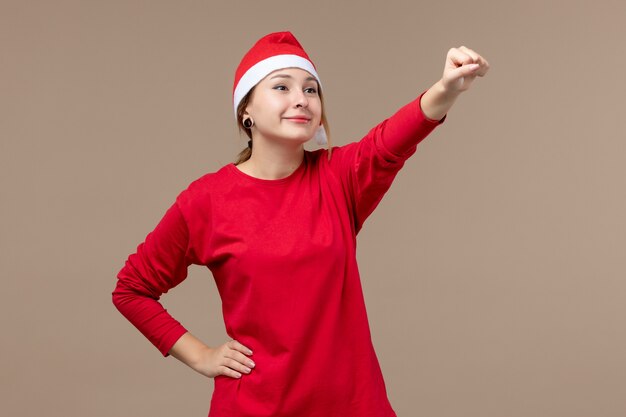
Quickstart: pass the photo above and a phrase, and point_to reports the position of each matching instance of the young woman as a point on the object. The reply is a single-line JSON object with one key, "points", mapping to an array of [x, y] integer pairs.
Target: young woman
{"points": [[277, 229]]}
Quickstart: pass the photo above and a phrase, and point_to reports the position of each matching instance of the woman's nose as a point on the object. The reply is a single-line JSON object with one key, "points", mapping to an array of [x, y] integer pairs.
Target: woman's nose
{"points": [[301, 100]]}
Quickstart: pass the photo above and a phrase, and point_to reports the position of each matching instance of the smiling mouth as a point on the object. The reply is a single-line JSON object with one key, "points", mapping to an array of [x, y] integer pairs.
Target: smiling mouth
{"points": [[298, 119]]}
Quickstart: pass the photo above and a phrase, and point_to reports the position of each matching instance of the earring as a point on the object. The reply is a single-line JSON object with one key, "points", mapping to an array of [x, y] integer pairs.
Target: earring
{"points": [[248, 123]]}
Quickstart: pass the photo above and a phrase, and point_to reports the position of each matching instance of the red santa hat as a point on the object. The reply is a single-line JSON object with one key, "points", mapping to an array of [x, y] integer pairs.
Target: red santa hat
{"points": [[272, 52]]}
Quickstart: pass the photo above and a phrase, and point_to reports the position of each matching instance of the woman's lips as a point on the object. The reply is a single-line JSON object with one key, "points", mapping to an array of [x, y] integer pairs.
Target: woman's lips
{"points": [[298, 119]]}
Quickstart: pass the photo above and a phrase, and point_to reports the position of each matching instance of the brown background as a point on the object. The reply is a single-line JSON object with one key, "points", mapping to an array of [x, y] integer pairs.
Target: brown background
{"points": [[493, 270]]}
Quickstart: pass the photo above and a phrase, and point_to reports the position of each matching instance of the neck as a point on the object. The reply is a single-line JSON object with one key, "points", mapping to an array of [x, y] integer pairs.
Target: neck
{"points": [[271, 161]]}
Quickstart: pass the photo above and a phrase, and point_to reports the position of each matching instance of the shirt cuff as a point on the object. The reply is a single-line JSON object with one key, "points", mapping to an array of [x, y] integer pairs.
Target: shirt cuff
{"points": [[407, 127], [423, 116], [170, 339]]}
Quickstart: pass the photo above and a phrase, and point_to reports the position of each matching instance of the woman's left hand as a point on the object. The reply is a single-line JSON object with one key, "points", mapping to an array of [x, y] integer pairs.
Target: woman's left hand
{"points": [[462, 66]]}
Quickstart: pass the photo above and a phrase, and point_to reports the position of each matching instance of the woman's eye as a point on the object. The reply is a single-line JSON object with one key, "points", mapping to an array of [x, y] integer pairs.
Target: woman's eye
{"points": [[281, 87]]}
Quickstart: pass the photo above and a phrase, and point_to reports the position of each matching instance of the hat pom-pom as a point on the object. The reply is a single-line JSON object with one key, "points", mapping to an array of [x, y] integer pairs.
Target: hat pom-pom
{"points": [[320, 136]]}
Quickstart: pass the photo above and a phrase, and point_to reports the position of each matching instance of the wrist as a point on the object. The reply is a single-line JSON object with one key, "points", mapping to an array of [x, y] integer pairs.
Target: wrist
{"points": [[200, 357], [444, 93], [437, 100]]}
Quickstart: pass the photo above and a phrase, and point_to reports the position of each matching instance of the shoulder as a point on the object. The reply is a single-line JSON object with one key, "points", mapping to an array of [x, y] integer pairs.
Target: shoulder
{"points": [[335, 158], [199, 191], [336, 152]]}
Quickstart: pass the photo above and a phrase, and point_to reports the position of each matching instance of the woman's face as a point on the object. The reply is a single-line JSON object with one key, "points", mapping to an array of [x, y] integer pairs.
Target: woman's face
{"points": [[286, 106]]}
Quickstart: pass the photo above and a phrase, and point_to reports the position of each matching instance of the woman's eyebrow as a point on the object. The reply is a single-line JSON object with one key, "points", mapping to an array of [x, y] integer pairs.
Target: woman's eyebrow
{"points": [[289, 76]]}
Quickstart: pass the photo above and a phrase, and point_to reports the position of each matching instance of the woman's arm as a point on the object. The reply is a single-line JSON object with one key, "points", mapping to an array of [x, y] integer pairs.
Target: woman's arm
{"points": [[368, 167], [159, 264], [437, 101], [399, 135], [462, 66]]}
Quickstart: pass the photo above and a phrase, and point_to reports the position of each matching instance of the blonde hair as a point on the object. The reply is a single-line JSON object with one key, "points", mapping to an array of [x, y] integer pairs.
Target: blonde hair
{"points": [[245, 154]]}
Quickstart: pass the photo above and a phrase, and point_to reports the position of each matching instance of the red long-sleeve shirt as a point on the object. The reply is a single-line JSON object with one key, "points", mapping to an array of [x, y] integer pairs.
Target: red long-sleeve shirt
{"points": [[283, 255]]}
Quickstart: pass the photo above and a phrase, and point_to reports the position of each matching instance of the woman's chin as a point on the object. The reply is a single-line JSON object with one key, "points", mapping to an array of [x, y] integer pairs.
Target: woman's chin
{"points": [[301, 138], [295, 137]]}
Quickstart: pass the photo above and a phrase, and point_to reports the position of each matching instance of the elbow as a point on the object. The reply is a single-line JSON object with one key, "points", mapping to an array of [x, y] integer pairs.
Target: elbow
{"points": [[123, 294], [127, 291], [119, 295]]}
